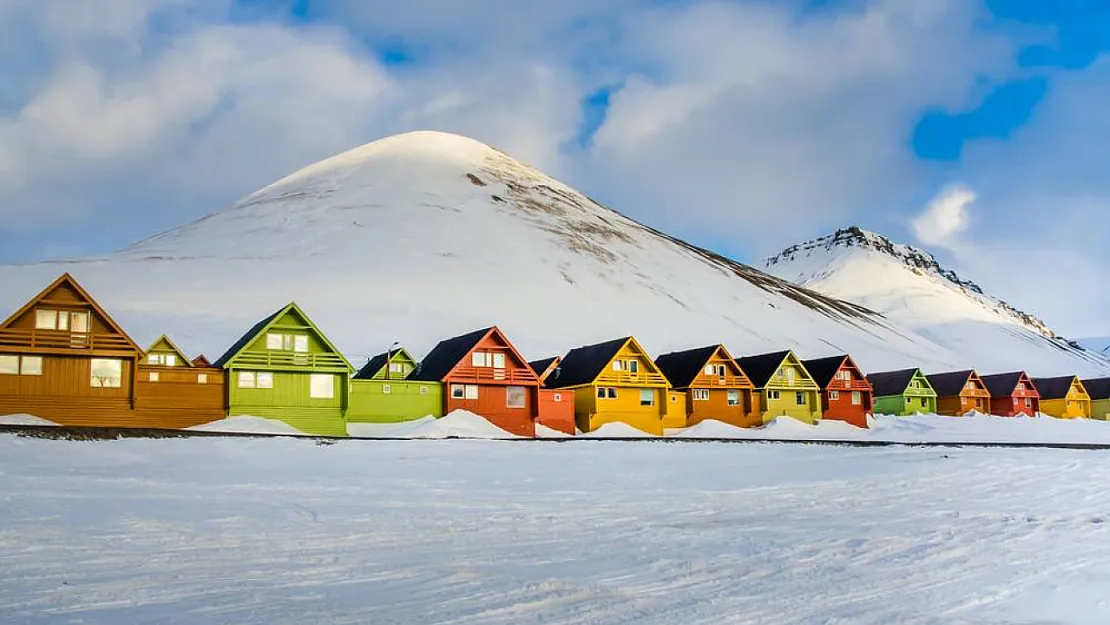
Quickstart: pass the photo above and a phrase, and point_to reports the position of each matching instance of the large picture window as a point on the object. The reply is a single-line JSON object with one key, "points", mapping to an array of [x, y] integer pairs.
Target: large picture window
{"points": [[734, 398], [515, 396], [106, 373], [30, 365], [321, 386], [9, 365]]}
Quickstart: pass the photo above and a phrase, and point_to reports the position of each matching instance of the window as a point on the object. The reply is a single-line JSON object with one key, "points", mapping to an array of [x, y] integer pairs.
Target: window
{"points": [[970, 385], [612, 392], [30, 365], [458, 391], [171, 360], [601, 392], [618, 365], [488, 359], [274, 340], [471, 391], [701, 394], [773, 395], [1028, 403], [1021, 387], [246, 379], [386, 389], [300, 343], [674, 398], [857, 398], [168, 360], [734, 398], [790, 375], [647, 397], [845, 375], [106, 373], [423, 390], [9, 365], [633, 366], [834, 395], [557, 397], [924, 402], [46, 320], [264, 379], [154, 359], [710, 369], [153, 376], [514, 396], [909, 400], [202, 378], [782, 373], [400, 368], [499, 361], [800, 399], [915, 384], [321, 386]]}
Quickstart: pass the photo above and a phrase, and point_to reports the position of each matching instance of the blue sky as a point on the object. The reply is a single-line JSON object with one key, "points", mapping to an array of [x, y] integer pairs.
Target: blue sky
{"points": [[971, 128]]}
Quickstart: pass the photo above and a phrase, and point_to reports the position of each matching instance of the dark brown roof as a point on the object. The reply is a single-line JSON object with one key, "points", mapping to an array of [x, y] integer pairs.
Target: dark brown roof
{"points": [[762, 368], [201, 361], [582, 365], [949, 384], [542, 365], [1098, 388], [682, 368], [889, 383], [824, 370], [1054, 388], [442, 359], [373, 366], [1002, 384]]}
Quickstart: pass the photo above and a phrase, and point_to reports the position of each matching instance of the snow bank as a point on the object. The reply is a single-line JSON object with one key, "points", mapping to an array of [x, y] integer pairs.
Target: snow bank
{"points": [[542, 431], [457, 424], [249, 425], [25, 419], [616, 430]]}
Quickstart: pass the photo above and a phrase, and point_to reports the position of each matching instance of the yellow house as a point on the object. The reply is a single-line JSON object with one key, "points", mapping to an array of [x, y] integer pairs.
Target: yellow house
{"points": [[784, 386], [616, 382], [1099, 392], [1064, 397]]}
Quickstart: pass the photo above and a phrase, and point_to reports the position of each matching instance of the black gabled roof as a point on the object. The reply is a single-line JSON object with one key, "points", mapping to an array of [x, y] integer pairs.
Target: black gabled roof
{"points": [[682, 368], [373, 366], [762, 368], [1002, 384], [823, 370], [888, 383], [949, 384], [1098, 388], [246, 338], [444, 356], [1054, 388], [582, 365], [540, 366]]}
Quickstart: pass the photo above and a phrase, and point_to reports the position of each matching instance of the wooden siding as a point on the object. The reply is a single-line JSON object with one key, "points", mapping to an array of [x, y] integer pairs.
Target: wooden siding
{"points": [[64, 394], [492, 403], [976, 399], [1025, 402], [592, 412], [177, 399], [289, 401], [838, 399], [1100, 409], [557, 410], [918, 398], [492, 384], [405, 401], [790, 381]]}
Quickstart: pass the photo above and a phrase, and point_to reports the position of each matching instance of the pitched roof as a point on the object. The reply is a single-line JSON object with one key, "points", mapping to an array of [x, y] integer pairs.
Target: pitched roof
{"points": [[68, 279], [823, 370], [262, 325], [582, 365], [541, 366], [1002, 384], [202, 361], [682, 368], [1054, 388], [372, 366], [173, 348], [762, 368], [1098, 388], [888, 383], [949, 384], [442, 359]]}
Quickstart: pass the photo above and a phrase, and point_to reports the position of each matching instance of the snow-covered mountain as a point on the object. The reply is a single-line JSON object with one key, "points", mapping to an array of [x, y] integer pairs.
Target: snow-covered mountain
{"points": [[427, 235], [911, 288]]}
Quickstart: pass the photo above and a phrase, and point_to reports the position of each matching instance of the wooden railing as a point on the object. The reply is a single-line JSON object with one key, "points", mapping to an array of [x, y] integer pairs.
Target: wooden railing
{"points": [[282, 359], [62, 339], [507, 375]]}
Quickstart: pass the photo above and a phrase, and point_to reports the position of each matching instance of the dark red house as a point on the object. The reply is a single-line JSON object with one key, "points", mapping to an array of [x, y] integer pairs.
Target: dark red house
{"points": [[846, 395], [1013, 394]]}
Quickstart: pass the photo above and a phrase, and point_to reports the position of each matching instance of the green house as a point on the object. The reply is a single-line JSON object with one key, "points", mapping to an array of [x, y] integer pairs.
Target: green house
{"points": [[903, 393], [165, 353], [381, 394], [285, 368]]}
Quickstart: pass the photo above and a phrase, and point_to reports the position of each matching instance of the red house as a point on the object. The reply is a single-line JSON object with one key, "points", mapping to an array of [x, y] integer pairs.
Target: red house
{"points": [[1013, 394], [846, 395], [556, 405], [482, 372]]}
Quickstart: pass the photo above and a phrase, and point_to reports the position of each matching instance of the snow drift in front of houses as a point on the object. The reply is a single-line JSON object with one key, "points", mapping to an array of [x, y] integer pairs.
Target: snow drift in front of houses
{"points": [[249, 425], [25, 420], [457, 424]]}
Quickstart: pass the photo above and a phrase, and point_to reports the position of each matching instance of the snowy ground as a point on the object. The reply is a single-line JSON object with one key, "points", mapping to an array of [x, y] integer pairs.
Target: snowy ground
{"points": [[289, 531]]}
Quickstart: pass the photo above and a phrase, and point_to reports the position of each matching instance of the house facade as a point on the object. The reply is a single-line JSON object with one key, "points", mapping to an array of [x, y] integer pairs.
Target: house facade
{"points": [[1099, 392], [960, 392], [1064, 397], [902, 393], [846, 395], [63, 358], [173, 392], [711, 385], [556, 405], [285, 368], [616, 382], [382, 393], [1013, 394], [783, 386]]}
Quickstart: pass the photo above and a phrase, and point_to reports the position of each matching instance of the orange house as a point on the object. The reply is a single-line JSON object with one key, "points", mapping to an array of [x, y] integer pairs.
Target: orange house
{"points": [[173, 392], [556, 405], [960, 392], [483, 373], [63, 358], [713, 385], [1013, 394], [846, 394]]}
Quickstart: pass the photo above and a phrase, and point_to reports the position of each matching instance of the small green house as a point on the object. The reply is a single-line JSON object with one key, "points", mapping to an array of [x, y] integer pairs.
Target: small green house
{"points": [[165, 353], [381, 394], [285, 368], [903, 393]]}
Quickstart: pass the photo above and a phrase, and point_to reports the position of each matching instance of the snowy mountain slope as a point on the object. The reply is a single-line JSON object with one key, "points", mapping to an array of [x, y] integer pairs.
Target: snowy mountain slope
{"points": [[911, 288]]}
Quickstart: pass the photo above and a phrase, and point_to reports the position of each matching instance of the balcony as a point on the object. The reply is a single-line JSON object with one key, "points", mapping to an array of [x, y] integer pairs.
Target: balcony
{"points": [[491, 374], [62, 340], [288, 360]]}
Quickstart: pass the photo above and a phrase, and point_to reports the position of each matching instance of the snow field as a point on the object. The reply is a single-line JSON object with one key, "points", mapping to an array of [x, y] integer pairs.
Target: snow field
{"points": [[286, 531]]}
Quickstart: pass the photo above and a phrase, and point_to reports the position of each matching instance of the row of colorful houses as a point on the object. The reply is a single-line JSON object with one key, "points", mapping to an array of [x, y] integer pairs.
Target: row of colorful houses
{"points": [[63, 358]]}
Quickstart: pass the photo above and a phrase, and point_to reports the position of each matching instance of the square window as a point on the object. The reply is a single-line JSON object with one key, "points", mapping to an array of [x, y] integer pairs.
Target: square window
{"points": [[246, 379], [300, 344], [557, 397], [321, 386], [601, 392], [612, 392], [617, 365], [515, 397], [458, 391], [31, 365], [106, 373], [774, 395], [153, 359], [264, 379], [633, 366], [171, 360], [471, 391], [202, 378], [274, 341], [800, 399], [647, 397], [478, 359], [423, 390], [498, 361], [386, 389], [46, 320], [834, 395], [79, 322], [710, 369], [153, 376], [9, 365], [734, 398]]}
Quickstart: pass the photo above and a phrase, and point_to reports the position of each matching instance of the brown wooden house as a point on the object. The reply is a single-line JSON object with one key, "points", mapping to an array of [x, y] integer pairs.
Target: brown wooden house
{"points": [[960, 392], [174, 392], [483, 373], [1013, 394], [63, 358], [846, 395], [713, 386], [556, 405]]}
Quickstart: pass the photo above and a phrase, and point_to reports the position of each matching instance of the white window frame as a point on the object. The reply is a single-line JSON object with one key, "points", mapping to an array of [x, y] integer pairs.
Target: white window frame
{"points": [[857, 398], [834, 395], [710, 369], [96, 381], [557, 397], [300, 343], [458, 391], [733, 397], [612, 392], [46, 319], [387, 389], [152, 376], [202, 378], [9, 364], [275, 341], [701, 394], [32, 371], [264, 380], [471, 392], [245, 379], [316, 388], [773, 395], [800, 399], [633, 367], [423, 390], [647, 397], [519, 390], [618, 365]]}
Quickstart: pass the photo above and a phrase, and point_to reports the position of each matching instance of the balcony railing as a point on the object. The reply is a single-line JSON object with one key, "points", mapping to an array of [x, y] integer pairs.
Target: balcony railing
{"points": [[62, 340], [282, 359], [493, 374]]}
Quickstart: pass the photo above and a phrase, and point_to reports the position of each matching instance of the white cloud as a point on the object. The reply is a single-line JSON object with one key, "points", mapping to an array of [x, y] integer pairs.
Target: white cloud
{"points": [[945, 218]]}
